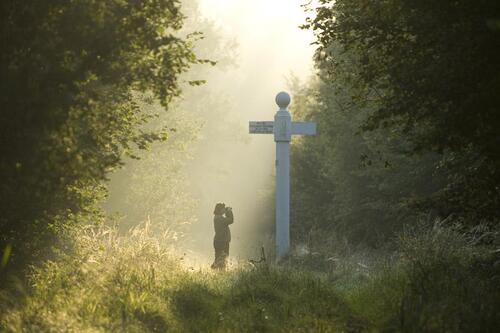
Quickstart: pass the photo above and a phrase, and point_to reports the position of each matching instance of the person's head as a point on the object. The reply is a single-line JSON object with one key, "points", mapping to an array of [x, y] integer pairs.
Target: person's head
{"points": [[220, 208]]}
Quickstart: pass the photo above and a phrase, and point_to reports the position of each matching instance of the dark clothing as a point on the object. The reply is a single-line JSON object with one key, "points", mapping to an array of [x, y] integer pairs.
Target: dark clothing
{"points": [[221, 227], [222, 238], [221, 247], [221, 254]]}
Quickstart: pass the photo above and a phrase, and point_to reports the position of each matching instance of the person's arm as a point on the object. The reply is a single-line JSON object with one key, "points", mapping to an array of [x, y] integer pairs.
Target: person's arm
{"points": [[229, 219]]}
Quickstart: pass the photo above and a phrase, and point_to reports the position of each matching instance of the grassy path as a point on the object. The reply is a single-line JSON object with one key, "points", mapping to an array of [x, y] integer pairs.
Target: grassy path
{"points": [[134, 284], [109, 286], [173, 299]]}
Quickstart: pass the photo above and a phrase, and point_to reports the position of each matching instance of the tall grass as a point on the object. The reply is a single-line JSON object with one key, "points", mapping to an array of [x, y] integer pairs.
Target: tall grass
{"points": [[440, 279], [136, 283]]}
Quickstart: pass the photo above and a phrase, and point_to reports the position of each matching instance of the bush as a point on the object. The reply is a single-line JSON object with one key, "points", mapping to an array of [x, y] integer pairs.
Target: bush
{"points": [[453, 279], [444, 279]]}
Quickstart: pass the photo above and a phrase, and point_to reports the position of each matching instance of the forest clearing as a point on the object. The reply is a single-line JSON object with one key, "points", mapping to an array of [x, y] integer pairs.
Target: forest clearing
{"points": [[138, 194]]}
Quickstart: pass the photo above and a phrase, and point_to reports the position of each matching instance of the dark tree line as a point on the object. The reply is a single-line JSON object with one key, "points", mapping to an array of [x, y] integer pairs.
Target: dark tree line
{"points": [[73, 74], [408, 104]]}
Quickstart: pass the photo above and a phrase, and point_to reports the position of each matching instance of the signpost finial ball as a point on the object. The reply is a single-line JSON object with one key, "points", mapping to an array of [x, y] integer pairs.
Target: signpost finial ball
{"points": [[283, 100]]}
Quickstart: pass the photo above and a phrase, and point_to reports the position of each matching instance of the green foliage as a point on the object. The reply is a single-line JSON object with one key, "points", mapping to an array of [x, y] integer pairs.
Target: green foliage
{"points": [[435, 279], [155, 186], [348, 184], [439, 279], [73, 76], [378, 297], [451, 282], [452, 279], [159, 185], [429, 72], [135, 284], [407, 105]]}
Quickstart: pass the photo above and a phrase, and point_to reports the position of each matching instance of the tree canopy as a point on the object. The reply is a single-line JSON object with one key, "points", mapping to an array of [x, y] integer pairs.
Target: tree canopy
{"points": [[428, 72], [73, 76]]}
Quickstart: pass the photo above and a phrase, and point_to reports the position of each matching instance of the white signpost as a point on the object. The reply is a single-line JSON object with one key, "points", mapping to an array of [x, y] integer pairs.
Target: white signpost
{"points": [[283, 128]]}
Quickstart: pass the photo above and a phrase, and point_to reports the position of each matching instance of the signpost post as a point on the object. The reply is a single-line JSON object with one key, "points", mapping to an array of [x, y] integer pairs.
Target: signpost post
{"points": [[283, 128]]}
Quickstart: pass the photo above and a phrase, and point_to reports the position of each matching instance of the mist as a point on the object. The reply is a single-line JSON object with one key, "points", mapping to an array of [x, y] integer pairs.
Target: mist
{"points": [[125, 123], [210, 153]]}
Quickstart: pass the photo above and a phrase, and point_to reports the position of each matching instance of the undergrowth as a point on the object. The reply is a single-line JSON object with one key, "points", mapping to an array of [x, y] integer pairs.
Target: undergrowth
{"points": [[135, 283], [441, 279]]}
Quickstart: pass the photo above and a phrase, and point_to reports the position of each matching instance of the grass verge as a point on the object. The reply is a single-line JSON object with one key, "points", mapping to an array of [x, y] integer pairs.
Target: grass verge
{"points": [[441, 279], [134, 284]]}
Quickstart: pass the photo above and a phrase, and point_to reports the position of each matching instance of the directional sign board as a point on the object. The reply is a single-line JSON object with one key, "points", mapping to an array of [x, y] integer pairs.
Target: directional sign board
{"points": [[261, 127], [301, 128]]}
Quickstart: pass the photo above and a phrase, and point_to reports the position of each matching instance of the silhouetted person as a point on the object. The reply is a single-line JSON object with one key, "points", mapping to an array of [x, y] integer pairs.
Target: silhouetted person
{"points": [[223, 217]]}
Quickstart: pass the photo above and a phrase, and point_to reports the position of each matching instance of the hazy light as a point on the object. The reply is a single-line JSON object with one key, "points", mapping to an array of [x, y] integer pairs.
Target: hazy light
{"points": [[269, 35], [228, 164], [271, 46]]}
